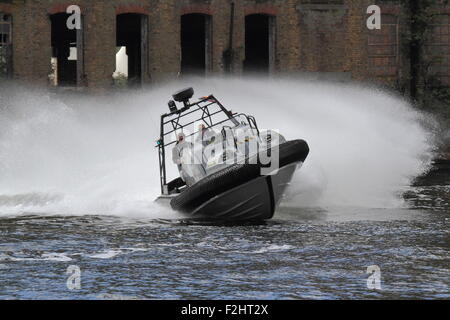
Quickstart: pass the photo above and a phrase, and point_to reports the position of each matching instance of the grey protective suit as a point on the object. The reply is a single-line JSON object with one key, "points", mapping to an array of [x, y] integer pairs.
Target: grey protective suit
{"points": [[177, 152], [205, 137]]}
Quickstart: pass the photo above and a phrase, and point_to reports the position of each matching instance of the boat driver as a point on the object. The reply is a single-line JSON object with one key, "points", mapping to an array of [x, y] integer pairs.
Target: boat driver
{"points": [[177, 151]]}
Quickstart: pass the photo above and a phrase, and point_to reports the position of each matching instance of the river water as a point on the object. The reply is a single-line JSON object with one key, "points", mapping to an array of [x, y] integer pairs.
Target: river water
{"points": [[301, 254], [78, 177]]}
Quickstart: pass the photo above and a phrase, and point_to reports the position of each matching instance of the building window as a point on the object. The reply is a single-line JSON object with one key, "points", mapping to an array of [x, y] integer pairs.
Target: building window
{"points": [[383, 50], [438, 51], [67, 61], [5, 45], [132, 50], [259, 44], [196, 44]]}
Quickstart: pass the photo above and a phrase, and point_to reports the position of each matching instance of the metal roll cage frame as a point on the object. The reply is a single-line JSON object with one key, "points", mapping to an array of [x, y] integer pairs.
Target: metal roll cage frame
{"points": [[174, 120]]}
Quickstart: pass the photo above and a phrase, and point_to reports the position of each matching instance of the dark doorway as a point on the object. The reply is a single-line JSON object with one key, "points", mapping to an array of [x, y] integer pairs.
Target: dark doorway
{"points": [[132, 33], [195, 44], [67, 52], [5, 46], [259, 43]]}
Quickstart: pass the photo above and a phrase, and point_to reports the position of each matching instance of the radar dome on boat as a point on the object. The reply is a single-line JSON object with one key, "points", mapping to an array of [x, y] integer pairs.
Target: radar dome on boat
{"points": [[183, 95]]}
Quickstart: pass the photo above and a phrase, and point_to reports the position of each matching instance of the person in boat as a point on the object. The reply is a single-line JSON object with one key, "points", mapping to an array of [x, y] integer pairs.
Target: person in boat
{"points": [[190, 170], [205, 135], [177, 151]]}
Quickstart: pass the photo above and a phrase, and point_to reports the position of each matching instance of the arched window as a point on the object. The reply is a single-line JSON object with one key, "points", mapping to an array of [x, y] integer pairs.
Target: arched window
{"points": [[196, 43], [259, 43], [5, 45], [132, 49], [67, 61]]}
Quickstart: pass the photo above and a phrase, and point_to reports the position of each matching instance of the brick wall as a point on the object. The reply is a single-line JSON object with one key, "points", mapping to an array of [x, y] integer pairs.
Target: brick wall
{"points": [[310, 36], [437, 49]]}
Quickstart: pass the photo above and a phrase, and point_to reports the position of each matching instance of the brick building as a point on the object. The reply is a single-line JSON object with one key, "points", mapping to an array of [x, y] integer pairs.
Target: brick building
{"points": [[164, 39]]}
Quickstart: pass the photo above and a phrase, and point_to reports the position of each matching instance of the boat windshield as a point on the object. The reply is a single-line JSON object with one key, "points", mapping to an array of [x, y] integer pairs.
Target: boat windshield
{"points": [[211, 149]]}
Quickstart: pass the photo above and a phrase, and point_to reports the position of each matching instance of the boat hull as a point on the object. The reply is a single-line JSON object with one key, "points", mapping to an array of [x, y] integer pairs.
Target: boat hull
{"points": [[256, 199]]}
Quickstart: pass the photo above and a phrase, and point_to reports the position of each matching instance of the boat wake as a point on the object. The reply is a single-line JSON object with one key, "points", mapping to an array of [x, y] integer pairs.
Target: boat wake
{"points": [[78, 155]]}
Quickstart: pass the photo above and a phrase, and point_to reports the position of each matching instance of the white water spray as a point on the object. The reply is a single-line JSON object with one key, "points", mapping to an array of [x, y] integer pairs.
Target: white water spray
{"points": [[96, 155]]}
